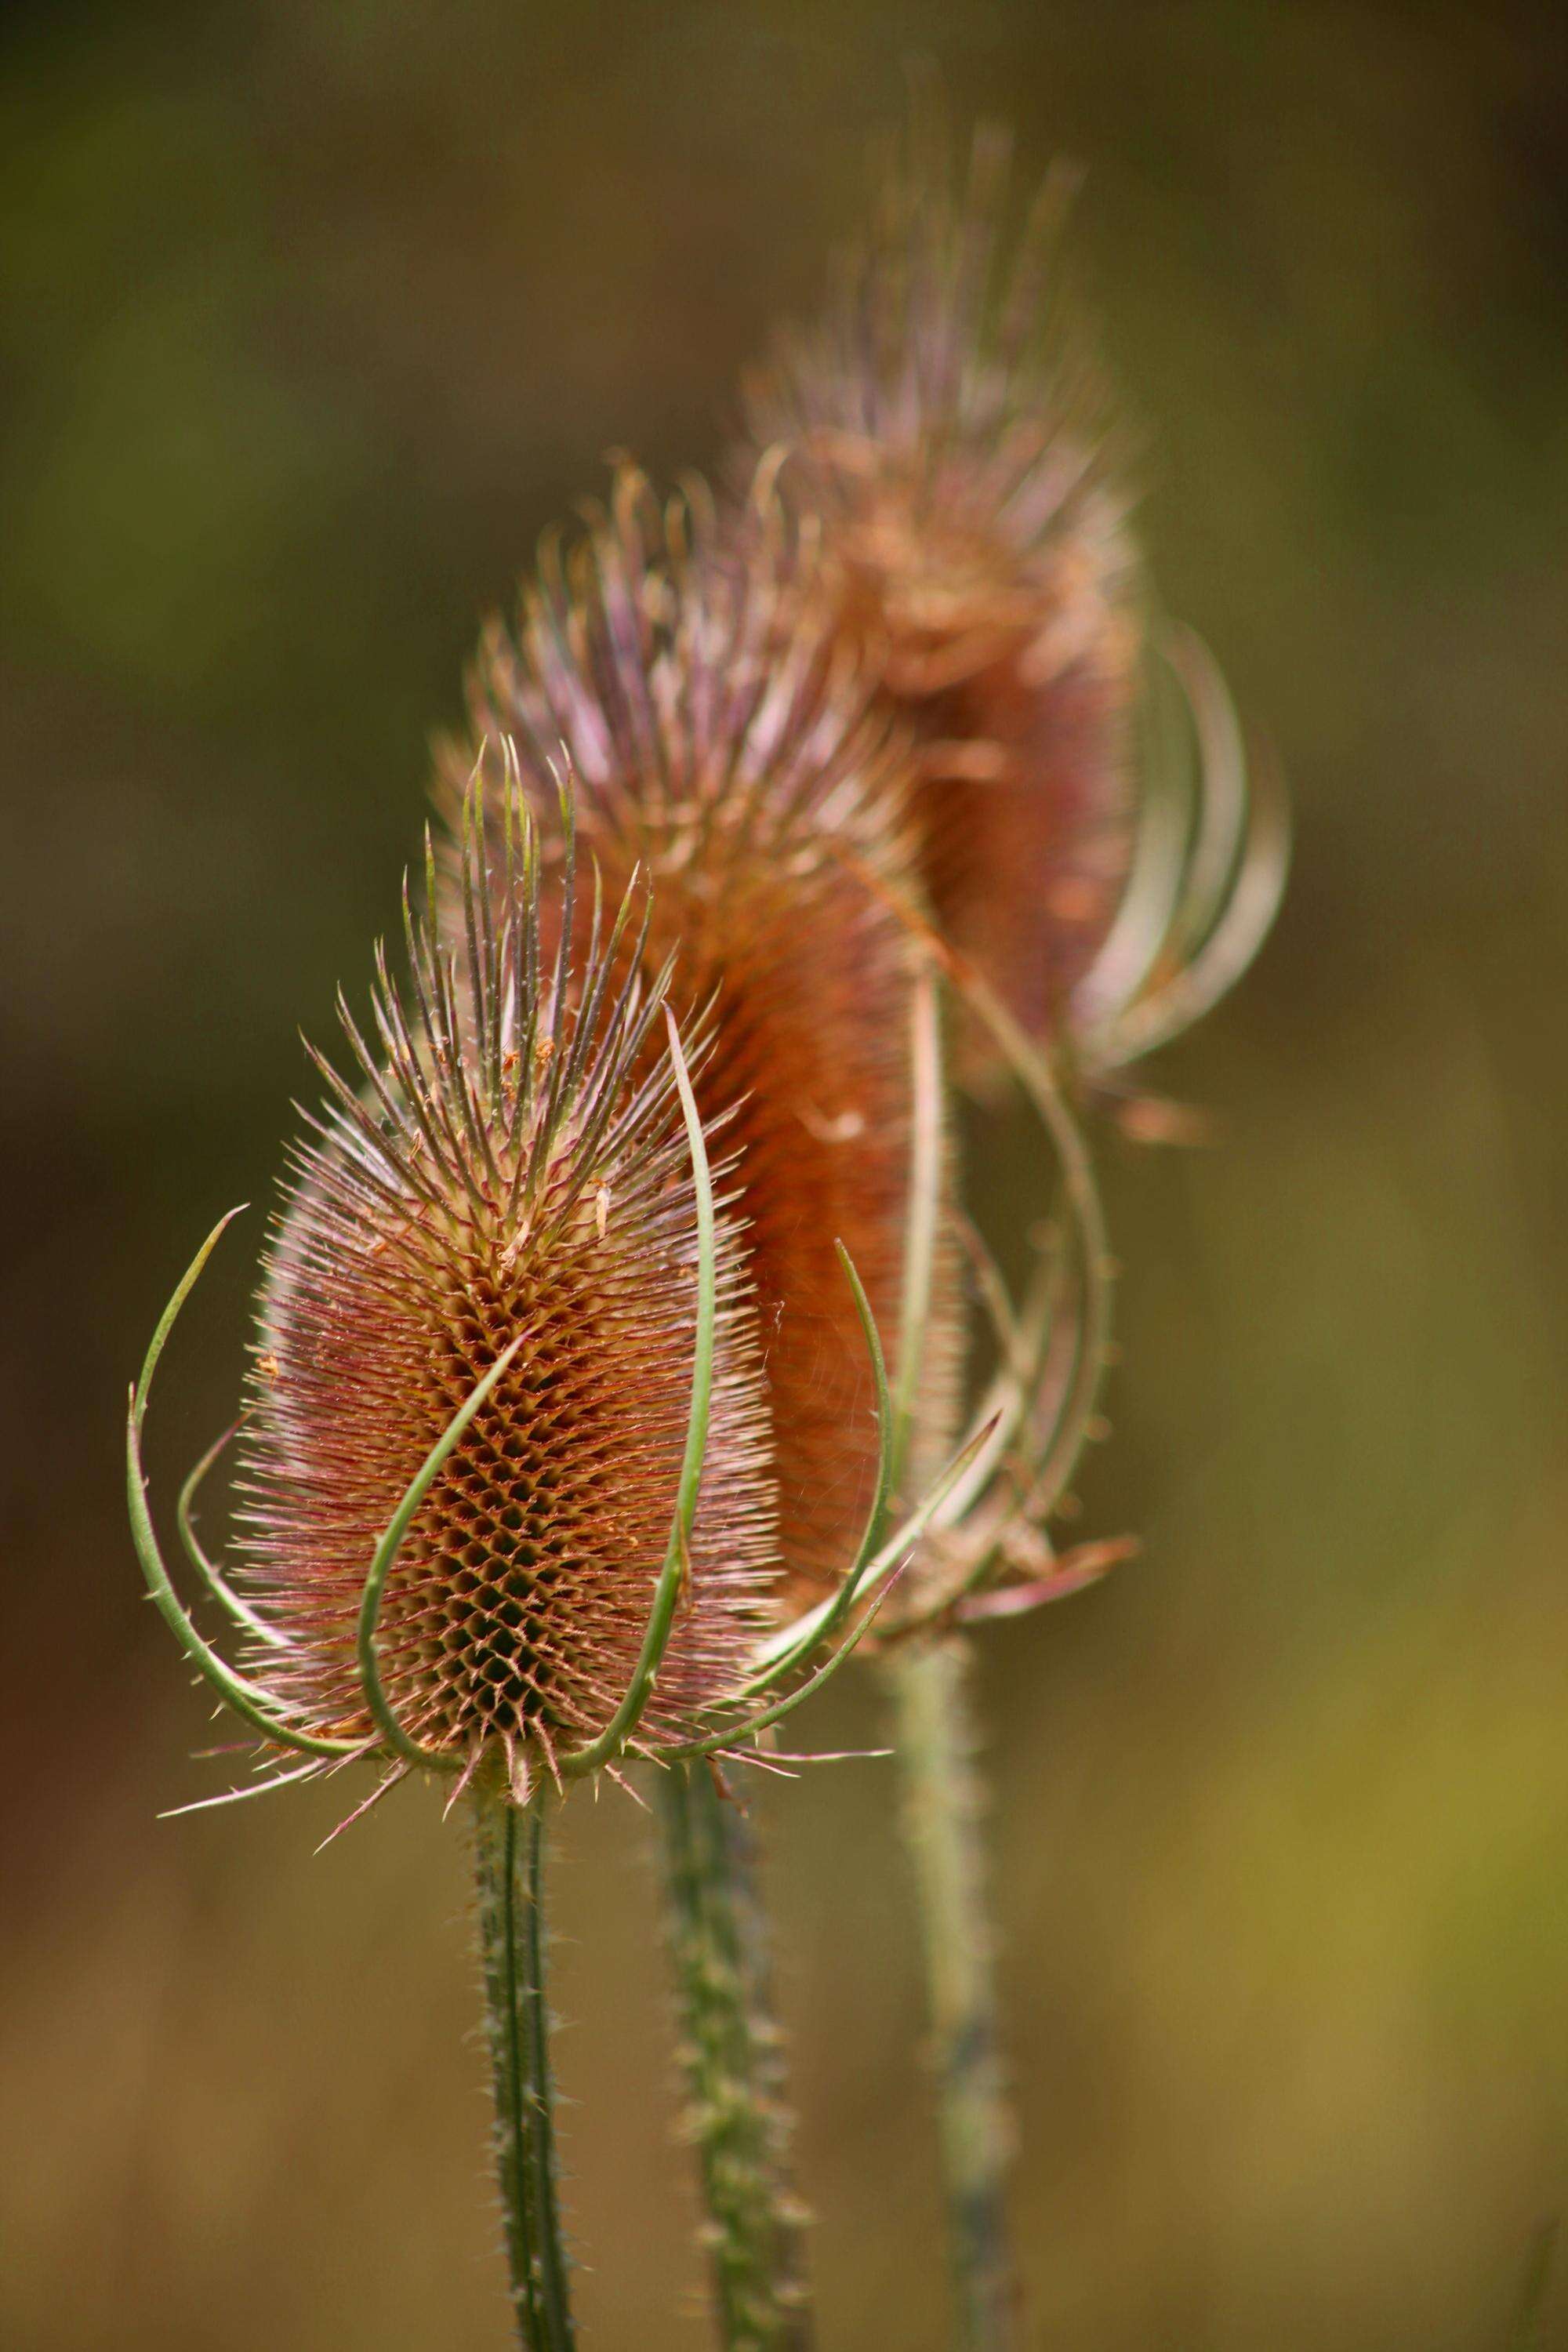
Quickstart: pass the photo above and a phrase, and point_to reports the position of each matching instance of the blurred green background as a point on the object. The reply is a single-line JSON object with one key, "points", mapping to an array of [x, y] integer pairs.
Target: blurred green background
{"points": [[314, 315]]}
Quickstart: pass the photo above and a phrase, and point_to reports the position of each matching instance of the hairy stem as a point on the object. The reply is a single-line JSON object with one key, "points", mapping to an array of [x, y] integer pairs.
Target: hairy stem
{"points": [[943, 1821], [733, 2065], [509, 1850]]}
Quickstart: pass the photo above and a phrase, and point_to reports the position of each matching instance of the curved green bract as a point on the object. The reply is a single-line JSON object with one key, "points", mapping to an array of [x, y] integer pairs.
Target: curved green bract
{"points": [[719, 1742], [1048, 1463], [1023, 1390], [231, 1603], [1022, 1340], [1092, 1355], [673, 1574], [1014, 1395], [247, 1699], [1152, 900], [1220, 833], [1023, 1397], [875, 1584], [1231, 840], [1243, 926], [386, 1552], [886, 1425]]}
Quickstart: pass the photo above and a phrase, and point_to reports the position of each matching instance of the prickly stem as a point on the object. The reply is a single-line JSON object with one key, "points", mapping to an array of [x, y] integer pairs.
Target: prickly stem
{"points": [[943, 1821], [732, 2067], [509, 1850]]}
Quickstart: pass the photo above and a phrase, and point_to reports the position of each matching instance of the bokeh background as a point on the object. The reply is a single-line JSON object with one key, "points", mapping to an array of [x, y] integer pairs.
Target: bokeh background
{"points": [[313, 316]]}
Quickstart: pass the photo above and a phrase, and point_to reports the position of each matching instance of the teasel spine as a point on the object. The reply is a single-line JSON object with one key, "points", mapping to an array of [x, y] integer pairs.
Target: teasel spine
{"points": [[730, 2057]]}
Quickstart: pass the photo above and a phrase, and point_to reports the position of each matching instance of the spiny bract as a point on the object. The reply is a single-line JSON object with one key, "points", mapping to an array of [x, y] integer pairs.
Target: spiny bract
{"points": [[510, 1166]]}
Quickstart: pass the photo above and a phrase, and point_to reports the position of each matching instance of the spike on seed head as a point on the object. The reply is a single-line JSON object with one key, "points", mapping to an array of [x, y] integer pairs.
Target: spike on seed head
{"points": [[728, 741], [442, 1209], [944, 428]]}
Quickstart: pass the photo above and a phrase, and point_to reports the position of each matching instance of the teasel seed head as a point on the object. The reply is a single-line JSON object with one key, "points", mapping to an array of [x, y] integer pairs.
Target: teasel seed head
{"points": [[946, 425], [725, 736], [505, 1173], [1097, 840], [518, 1172]]}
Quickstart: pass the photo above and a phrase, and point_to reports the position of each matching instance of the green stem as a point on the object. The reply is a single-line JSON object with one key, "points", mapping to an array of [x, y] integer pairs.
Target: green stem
{"points": [[943, 1821], [509, 1852], [732, 2061]]}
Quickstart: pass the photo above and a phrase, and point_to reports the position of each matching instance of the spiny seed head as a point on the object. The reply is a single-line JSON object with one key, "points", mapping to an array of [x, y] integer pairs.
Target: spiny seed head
{"points": [[508, 1162], [944, 428], [726, 738]]}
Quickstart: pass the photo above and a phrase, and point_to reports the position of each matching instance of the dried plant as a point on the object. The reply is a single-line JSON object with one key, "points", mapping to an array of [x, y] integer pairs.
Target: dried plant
{"points": [[556, 1457]]}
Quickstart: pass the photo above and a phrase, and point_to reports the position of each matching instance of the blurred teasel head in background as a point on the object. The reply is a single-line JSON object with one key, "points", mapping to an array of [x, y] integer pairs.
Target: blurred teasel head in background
{"points": [[946, 424], [1094, 842]]}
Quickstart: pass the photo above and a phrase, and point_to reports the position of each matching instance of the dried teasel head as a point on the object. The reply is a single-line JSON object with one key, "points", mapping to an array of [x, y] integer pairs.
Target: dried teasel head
{"points": [[946, 428], [725, 737], [1090, 837], [509, 1182], [506, 1418]]}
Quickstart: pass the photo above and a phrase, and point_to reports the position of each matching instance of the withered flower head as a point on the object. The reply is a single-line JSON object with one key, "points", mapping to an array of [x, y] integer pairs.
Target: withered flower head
{"points": [[504, 1335], [725, 737], [945, 427]]}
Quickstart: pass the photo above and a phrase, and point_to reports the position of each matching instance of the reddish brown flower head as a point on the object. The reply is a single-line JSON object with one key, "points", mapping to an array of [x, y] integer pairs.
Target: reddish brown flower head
{"points": [[945, 430], [510, 1164], [726, 742]]}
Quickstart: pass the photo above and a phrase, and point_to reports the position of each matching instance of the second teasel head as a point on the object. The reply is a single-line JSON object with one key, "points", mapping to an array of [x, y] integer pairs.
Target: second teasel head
{"points": [[727, 739]]}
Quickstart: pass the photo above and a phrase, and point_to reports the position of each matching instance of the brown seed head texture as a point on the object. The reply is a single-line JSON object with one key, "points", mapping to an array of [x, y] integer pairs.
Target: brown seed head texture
{"points": [[943, 427], [725, 743], [512, 1160]]}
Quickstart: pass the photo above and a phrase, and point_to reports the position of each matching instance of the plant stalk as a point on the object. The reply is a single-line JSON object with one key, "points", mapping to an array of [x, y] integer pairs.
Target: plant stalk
{"points": [[508, 1854], [731, 2061], [944, 1805]]}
